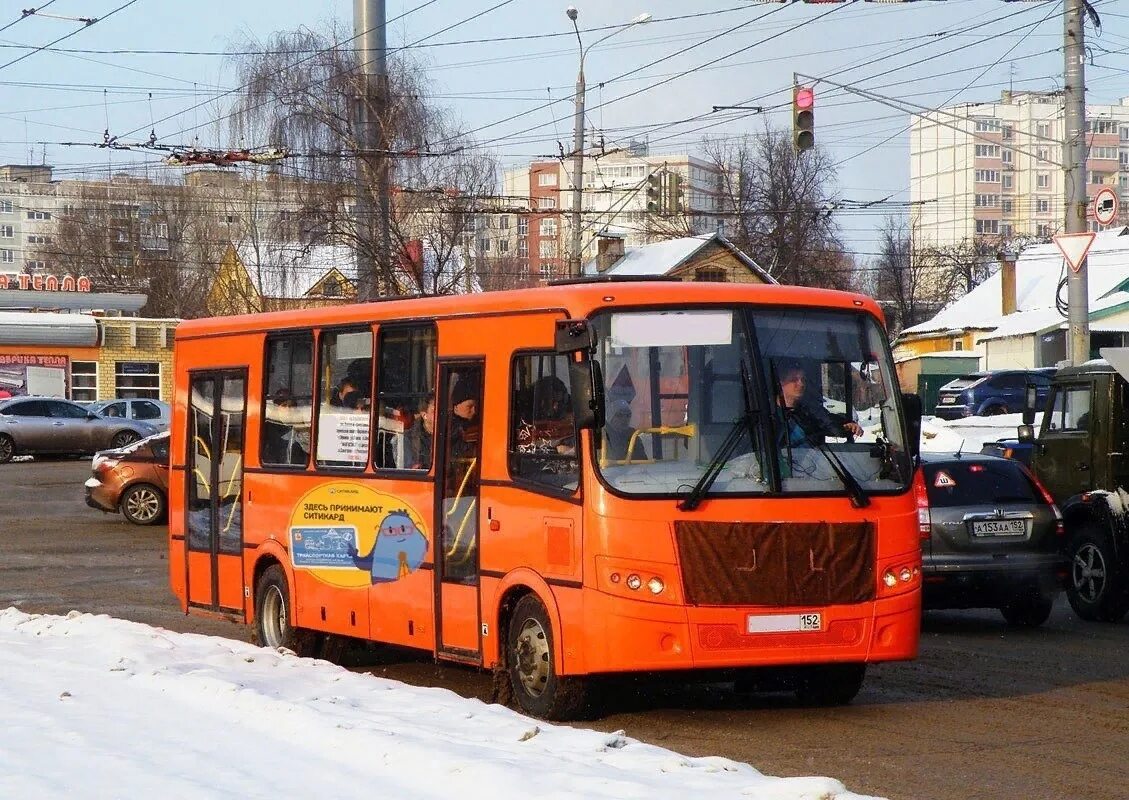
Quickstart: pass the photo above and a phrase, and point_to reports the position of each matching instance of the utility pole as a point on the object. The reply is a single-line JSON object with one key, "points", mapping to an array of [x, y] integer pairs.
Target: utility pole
{"points": [[574, 256], [373, 238], [1074, 170]]}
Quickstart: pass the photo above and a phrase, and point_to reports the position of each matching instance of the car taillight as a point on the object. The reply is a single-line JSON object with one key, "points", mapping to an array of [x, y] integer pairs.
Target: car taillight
{"points": [[924, 518], [1060, 528]]}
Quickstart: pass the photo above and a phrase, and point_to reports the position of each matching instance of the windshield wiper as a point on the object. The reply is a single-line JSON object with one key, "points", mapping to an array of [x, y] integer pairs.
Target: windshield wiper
{"points": [[713, 469], [859, 497]]}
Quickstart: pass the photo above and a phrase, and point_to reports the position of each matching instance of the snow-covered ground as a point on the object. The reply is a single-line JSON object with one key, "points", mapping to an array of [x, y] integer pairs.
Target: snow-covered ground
{"points": [[970, 433], [95, 707]]}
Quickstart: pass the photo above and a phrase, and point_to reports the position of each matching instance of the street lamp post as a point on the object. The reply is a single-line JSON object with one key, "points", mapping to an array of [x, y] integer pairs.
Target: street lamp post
{"points": [[578, 136]]}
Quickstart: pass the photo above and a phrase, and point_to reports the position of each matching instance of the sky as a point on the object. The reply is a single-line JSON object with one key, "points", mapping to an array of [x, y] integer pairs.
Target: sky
{"points": [[96, 707], [737, 52]]}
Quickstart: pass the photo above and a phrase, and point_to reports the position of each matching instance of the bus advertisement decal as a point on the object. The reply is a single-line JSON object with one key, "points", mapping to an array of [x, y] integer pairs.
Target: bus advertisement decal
{"points": [[349, 535]]}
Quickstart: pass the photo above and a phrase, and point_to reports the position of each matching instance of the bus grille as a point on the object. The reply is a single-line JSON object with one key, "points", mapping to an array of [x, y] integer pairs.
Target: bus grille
{"points": [[776, 563]]}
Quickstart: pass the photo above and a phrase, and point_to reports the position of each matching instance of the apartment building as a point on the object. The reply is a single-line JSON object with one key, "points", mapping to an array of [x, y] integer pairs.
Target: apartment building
{"points": [[994, 170], [643, 198]]}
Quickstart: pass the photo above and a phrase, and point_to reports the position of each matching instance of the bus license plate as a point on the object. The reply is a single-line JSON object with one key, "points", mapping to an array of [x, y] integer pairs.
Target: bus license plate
{"points": [[999, 527], [784, 623]]}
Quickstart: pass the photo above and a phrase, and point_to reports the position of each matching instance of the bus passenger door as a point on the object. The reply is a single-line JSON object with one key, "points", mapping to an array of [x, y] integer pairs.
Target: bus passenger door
{"points": [[214, 495], [457, 510]]}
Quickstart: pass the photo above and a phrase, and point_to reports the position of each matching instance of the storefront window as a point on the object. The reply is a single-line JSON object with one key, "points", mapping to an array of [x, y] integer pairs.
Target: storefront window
{"points": [[84, 381], [137, 379]]}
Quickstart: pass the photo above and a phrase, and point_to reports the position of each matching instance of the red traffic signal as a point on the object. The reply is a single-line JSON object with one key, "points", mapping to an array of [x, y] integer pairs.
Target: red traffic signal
{"points": [[803, 118]]}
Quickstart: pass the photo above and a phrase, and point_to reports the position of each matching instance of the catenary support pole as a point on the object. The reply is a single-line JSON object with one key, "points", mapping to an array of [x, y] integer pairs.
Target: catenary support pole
{"points": [[1074, 166], [372, 162]]}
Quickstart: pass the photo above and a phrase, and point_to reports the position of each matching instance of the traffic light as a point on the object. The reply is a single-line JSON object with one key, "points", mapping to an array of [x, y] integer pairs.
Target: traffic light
{"points": [[803, 118], [654, 192]]}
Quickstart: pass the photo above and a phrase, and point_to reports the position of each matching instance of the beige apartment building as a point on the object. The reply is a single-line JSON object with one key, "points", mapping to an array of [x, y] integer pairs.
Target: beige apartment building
{"points": [[629, 193], [994, 170]]}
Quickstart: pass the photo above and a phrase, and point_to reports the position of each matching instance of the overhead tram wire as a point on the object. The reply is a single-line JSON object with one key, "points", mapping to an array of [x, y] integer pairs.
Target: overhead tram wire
{"points": [[949, 34], [75, 32], [676, 75], [952, 97], [310, 58], [26, 13]]}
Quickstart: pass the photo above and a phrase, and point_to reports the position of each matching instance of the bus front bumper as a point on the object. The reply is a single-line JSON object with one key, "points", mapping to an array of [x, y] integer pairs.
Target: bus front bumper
{"points": [[652, 636]]}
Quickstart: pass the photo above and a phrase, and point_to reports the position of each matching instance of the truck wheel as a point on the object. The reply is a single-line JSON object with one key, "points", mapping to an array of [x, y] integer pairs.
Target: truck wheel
{"points": [[829, 684], [273, 626], [1030, 609], [529, 657], [1096, 588]]}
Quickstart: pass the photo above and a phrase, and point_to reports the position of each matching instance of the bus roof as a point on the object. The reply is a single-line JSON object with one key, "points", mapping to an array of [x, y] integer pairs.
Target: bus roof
{"points": [[577, 299]]}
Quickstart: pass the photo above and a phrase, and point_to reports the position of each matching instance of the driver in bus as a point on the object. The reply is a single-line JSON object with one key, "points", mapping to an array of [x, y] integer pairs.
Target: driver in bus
{"points": [[801, 417]]}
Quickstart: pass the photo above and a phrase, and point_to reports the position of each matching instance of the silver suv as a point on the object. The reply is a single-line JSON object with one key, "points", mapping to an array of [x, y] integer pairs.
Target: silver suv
{"points": [[51, 425], [991, 537]]}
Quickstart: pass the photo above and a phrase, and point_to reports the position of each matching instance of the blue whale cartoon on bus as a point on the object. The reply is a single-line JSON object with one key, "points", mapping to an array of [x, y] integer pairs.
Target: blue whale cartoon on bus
{"points": [[398, 550]]}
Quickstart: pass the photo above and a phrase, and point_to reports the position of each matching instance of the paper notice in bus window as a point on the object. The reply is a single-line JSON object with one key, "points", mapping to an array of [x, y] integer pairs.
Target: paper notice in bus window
{"points": [[672, 329], [323, 547], [343, 436]]}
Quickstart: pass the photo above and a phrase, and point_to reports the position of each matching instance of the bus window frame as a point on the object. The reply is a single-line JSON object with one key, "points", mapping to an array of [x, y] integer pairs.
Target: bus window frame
{"points": [[526, 484], [317, 402], [402, 473], [775, 491], [289, 333]]}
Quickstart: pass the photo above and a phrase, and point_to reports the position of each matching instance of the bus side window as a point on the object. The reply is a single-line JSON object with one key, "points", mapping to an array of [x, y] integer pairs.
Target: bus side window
{"points": [[287, 409], [405, 398], [543, 432], [345, 386]]}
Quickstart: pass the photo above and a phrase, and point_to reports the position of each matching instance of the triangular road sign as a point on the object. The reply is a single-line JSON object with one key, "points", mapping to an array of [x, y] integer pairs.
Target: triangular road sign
{"points": [[1074, 247]]}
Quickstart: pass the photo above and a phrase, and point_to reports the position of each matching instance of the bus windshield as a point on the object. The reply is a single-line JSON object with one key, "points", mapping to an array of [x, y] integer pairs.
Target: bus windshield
{"points": [[758, 400]]}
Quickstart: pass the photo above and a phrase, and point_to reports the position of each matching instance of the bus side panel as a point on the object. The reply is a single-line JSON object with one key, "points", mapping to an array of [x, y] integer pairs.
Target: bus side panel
{"points": [[401, 611]]}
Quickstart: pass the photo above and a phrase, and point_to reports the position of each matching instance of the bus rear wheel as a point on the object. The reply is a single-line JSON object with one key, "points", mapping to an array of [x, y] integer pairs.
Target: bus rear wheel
{"points": [[829, 684], [274, 627], [537, 687]]}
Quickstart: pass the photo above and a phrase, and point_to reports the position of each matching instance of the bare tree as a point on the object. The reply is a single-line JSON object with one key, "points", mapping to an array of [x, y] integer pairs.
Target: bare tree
{"points": [[778, 207], [299, 92]]}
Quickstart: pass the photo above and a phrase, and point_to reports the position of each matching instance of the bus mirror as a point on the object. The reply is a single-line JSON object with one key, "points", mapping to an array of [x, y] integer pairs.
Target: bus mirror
{"points": [[573, 336], [1030, 400], [587, 386], [912, 405]]}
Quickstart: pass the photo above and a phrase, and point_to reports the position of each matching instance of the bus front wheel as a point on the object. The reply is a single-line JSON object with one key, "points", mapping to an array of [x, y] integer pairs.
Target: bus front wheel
{"points": [[273, 625], [537, 687]]}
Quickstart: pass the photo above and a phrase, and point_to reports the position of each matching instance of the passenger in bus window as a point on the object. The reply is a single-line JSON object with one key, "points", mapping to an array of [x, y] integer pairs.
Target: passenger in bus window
{"points": [[801, 417], [287, 430], [420, 438], [347, 395], [618, 432]]}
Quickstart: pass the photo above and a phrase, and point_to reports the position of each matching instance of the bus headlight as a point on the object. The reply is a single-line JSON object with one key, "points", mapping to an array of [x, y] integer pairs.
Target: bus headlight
{"points": [[634, 581], [900, 577], [656, 585]]}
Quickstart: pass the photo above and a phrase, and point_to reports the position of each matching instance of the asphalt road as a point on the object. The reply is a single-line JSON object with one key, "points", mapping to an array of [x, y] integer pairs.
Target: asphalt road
{"points": [[985, 712]]}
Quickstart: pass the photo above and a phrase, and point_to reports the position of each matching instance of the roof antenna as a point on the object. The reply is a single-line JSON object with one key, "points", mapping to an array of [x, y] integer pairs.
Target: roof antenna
{"points": [[961, 447]]}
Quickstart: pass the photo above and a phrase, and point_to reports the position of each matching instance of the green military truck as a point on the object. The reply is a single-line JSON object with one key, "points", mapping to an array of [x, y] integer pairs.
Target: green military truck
{"points": [[1081, 455]]}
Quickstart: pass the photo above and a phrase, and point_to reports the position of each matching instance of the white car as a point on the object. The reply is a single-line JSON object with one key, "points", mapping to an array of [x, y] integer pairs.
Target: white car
{"points": [[155, 412]]}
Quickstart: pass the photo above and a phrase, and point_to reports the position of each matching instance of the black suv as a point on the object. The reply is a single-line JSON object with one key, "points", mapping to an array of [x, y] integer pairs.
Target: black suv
{"points": [[994, 537], [984, 393]]}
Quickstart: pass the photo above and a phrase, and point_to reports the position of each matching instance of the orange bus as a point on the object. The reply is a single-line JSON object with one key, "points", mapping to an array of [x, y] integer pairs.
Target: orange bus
{"points": [[557, 484]]}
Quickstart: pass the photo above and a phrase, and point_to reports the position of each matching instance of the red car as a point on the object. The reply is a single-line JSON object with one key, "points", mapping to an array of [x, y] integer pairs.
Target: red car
{"points": [[133, 479]]}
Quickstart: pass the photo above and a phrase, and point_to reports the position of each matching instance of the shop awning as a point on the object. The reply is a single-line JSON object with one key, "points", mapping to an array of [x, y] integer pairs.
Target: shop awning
{"points": [[60, 330]]}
